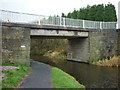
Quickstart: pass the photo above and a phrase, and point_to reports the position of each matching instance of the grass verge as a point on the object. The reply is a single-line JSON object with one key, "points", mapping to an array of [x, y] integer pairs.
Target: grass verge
{"points": [[14, 77], [61, 79]]}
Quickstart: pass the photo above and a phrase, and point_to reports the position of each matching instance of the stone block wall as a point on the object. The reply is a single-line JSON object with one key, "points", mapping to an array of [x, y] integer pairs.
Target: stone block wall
{"points": [[118, 42], [15, 45], [119, 14], [103, 44], [0, 43], [78, 49]]}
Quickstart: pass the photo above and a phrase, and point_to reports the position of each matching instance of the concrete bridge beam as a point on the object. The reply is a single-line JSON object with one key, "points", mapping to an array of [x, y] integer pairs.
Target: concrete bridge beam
{"points": [[43, 32]]}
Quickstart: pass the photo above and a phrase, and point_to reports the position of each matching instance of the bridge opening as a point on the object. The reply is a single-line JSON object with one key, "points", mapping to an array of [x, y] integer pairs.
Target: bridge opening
{"points": [[48, 50], [55, 50]]}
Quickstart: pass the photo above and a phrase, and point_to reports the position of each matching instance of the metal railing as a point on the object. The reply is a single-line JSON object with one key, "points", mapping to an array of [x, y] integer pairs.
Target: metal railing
{"points": [[25, 18]]}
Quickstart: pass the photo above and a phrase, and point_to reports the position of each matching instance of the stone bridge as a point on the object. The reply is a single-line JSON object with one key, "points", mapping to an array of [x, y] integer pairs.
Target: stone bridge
{"points": [[85, 45], [87, 40]]}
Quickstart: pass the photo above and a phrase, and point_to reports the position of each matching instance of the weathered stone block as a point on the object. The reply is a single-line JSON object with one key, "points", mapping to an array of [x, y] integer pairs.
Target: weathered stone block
{"points": [[78, 49], [103, 44], [7, 56], [16, 45], [0, 43], [118, 42], [21, 57]]}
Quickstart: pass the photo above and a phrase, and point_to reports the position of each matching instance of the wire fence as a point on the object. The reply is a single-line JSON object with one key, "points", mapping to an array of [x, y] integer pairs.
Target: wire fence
{"points": [[25, 18]]}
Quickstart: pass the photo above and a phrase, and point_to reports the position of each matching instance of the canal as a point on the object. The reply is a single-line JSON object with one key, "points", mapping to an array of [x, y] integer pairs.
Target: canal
{"points": [[91, 76]]}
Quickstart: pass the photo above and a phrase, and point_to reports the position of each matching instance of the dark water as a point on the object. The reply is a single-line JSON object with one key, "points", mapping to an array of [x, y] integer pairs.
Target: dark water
{"points": [[91, 76]]}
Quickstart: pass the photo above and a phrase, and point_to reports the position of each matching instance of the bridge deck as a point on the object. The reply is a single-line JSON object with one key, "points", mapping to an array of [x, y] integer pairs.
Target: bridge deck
{"points": [[50, 27]]}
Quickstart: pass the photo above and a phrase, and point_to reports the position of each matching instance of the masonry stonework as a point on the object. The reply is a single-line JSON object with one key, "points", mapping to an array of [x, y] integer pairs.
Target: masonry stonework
{"points": [[103, 44], [0, 43], [118, 42], [15, 45], [119, 14], [78, 49]]}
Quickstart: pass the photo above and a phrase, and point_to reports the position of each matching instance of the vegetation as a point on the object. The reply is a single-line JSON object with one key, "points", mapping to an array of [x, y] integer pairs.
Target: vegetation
{"points": [[114, 62], [0, 85], [61, 79], [55, 50], [98, 12], [14, 77], [49, 50], [44, 46], [57, 56]]}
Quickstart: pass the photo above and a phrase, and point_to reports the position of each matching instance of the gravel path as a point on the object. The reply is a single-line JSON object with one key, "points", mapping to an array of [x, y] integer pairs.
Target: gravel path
{"points": [[40, 77]]}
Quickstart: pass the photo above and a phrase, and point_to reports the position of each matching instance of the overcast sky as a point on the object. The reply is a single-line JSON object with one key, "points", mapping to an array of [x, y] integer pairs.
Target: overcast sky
{"points": [[50, 7]]}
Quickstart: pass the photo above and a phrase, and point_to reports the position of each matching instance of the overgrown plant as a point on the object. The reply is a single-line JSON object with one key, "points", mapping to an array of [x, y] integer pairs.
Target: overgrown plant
{"points": [[57, 56], [112, 62], [52, 51]]}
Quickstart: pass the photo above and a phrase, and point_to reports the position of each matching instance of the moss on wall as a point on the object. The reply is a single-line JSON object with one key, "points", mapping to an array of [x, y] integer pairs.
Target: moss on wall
{"points": [[103, 44], [15, 45]]}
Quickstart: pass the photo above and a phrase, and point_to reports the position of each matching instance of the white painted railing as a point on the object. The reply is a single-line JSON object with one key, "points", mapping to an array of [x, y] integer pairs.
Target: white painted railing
{"points": [[16, 17]]}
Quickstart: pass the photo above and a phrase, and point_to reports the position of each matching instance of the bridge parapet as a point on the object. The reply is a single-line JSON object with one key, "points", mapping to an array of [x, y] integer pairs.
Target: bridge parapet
{"points": [[22, 18]]}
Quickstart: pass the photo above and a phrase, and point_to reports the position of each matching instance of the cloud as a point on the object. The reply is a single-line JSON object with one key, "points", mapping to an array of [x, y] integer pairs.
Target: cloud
{"points": [[50, 7]]}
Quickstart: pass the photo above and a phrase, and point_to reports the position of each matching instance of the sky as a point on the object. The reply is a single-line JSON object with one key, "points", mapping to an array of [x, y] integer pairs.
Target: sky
{"points": [[50, 7]]}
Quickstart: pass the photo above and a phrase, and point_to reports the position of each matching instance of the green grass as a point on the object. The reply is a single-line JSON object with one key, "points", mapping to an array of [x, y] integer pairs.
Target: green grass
{"points": [[61, 79], [14, 77]]}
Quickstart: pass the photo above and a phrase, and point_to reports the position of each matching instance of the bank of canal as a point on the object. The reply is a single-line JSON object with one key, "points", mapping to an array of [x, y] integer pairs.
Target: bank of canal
{"points": [[92, 76]]}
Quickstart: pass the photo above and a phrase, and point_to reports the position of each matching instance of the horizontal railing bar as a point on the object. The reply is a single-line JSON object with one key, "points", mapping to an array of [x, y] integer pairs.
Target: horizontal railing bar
{"points": [[22, 13]]}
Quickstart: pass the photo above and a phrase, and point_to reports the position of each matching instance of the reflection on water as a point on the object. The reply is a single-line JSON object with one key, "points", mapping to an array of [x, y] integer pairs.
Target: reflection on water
{"points": [[91, 76]]}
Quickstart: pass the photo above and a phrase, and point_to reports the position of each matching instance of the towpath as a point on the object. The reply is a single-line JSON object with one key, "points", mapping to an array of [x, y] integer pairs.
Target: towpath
{"points": [[40, 76]]}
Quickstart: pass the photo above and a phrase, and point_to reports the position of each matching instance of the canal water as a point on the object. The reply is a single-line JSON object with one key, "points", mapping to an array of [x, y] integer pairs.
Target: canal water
{"points": [[91, 76]]}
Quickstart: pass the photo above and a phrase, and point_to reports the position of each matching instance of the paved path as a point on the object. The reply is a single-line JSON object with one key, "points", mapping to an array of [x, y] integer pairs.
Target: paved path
{"points": [[40, 76]]}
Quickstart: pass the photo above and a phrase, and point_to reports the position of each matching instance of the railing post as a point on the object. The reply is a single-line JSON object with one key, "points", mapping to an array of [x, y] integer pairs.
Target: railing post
{"points": [[83, 23], [60, 21], [39, 22], [64, 22], [117, 25]]}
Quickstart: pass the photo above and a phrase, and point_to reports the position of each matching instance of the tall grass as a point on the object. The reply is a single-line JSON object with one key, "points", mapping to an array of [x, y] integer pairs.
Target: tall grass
{"points": [[112, 62], [57, 56]]}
